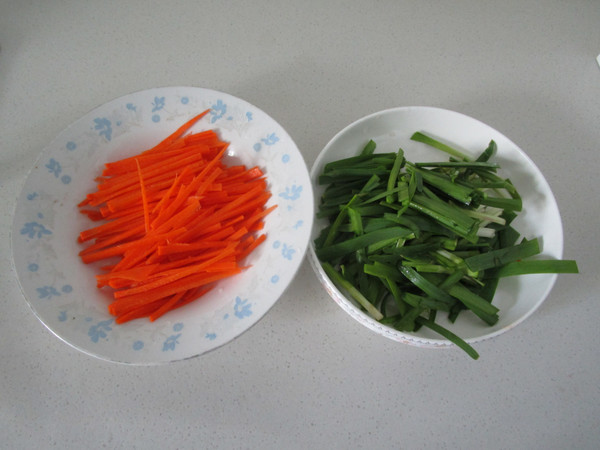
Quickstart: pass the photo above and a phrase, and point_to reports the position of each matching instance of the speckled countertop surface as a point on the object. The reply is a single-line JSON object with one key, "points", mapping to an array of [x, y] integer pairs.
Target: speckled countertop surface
{"points": [[307, 375]]}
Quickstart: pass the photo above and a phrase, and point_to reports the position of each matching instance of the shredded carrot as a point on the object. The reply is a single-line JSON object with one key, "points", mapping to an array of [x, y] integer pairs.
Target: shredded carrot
{"points": [[173, 220], [144, 197]]}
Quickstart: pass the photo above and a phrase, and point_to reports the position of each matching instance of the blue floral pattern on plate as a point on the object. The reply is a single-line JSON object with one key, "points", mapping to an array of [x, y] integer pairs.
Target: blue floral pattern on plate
{"points": [[61, 290]]}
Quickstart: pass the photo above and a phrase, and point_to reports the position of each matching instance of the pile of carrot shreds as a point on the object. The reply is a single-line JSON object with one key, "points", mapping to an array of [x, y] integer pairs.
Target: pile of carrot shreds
{"points": [[175, 220]]}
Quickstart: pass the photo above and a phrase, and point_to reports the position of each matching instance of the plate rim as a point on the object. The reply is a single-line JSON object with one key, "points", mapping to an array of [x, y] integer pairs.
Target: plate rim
{"points": [[48, 148]]}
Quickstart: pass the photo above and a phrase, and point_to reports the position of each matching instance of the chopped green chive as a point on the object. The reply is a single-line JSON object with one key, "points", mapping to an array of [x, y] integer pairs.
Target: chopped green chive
{"points": [[406, 240]]}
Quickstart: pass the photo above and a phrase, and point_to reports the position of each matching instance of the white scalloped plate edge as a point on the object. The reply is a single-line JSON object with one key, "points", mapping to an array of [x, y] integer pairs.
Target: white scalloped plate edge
{"points": [[61, 290]]}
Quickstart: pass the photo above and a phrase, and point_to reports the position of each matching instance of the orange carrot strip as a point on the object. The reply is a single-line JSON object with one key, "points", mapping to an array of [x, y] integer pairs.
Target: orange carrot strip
{"points": [[130, 201], [238, 234], [150, 161], [171, 270], [207, 137], [222, 266], [166, 211], [255, 217], [233, 170], [245, 242], [187, 297], [127, 182], [174, 275], [193, 295], [167, 195], [136, 313], [198, 230], [245, 175], [143, 244], [182, 260], [166, 306], [215, 198], [183, 284], [257, 226], [93, 214], [207, 231], [180, 219], [243, 254], [117, 279], [185, 192], [221, 234], [114, 239], [134, 256], [226, 210], [184, 247], [144, 197], [243, 204], [239, 188], [121, 170], [110, 227], [178, 133]]}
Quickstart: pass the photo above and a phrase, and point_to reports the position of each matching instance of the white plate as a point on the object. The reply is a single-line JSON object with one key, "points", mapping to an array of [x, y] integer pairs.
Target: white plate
{"points": [[61, 289], [517, 297]]}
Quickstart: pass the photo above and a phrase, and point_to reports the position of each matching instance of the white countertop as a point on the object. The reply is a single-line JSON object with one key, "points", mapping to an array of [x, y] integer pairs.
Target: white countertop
{"points": [[307, 375]]}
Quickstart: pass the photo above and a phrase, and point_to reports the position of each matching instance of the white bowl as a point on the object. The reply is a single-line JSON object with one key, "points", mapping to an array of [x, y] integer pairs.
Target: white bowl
{"points": [[62, 291], [516, 297]]}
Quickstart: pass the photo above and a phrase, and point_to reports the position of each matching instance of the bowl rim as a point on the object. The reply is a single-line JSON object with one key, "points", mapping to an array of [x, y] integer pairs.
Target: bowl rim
{"points": [[361, 316]]}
